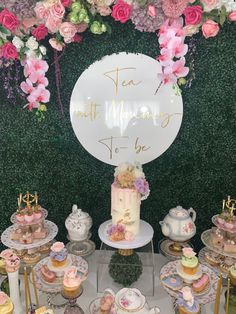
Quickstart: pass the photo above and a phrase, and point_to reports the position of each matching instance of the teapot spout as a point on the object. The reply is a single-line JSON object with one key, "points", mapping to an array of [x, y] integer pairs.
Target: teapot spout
{"points": [[154, 310], [165, 228]]}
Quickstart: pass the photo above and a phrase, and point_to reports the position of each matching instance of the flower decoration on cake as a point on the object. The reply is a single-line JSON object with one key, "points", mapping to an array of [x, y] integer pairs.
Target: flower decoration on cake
{"points": [[132, 176], [118, 233], [186, 303]]}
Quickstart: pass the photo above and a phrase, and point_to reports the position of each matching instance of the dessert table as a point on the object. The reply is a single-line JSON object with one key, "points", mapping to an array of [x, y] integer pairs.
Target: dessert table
{"points": [[160, 299]]}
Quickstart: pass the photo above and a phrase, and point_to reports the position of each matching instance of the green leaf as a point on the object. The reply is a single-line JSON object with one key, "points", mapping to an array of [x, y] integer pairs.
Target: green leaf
{"points": [[223, 15], [4, 31]]}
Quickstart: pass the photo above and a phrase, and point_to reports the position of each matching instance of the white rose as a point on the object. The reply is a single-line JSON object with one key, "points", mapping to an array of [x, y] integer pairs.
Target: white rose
{"points": [[138, 173], [32, 43], [31, 54], [18, 43], [43, 50]]}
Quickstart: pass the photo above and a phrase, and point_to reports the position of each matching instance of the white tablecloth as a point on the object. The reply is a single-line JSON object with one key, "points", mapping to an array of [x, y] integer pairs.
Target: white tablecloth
{"points": [[160, 299]]}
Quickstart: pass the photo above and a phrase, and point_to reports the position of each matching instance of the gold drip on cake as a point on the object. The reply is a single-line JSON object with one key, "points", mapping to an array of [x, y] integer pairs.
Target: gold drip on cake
{"points": [[126, 252]]}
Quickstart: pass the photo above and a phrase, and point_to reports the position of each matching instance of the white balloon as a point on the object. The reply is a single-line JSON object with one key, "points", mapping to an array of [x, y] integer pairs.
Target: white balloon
{"points": [[118, 113]]}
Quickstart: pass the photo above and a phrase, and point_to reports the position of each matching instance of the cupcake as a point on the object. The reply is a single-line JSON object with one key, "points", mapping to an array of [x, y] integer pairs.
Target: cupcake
{"points": [[6, 305], [186, 304], [72, 282], [189, 261], [58, 254]]}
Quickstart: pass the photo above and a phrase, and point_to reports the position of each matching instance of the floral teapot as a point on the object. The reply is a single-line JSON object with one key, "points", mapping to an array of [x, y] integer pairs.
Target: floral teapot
{"points": [[78, 224], [129, 300], [178, 225]]}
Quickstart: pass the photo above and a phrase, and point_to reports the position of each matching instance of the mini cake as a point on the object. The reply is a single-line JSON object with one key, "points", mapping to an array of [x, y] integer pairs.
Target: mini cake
{"points": [[226, 264], [58, 254], [217, 238], [187, 304], [212, 258], [43, 310], [106, 303], [47, 274], [189, 261], [232, 274], [71, 282], [12, 261], [127, 191], [200, 284], [172, 281], [6, 305], [229, 246]]}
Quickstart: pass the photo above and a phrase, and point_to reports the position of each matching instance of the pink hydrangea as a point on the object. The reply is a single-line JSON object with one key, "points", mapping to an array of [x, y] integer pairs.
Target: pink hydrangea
{"points": [[174, 8]]}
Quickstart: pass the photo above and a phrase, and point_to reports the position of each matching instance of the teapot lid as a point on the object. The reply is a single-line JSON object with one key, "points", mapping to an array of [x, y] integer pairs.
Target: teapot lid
{"points": [[78, 213], [130, 299], [179, 212]]}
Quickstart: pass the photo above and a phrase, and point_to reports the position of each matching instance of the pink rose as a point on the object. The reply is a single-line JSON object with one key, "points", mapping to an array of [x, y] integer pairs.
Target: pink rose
{"points": [[8, 20], [57, 10], [210, 29], [129, 236], [3, 298], [68, 31], [56, 44], [53, 24], [188, 252], [81, 27], [232, 16], [210, 4], [121, 11], [104, 11], [8, 51], [41, 11], [193, 15], [66, 3], [57, 247], [40, 32]]}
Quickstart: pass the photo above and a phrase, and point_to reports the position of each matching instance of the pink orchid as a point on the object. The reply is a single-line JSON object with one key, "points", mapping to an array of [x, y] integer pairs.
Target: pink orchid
{"points": [[166, 37], [39, 94], [178, 48], [168, 78], [34, 65], [166, 57], [27, 86], [32, 105], [177, 68]]}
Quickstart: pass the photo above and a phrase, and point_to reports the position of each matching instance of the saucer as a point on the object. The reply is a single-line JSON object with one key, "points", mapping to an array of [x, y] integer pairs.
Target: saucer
{"points": [[94, 307], [186, 277], [83, 248]]}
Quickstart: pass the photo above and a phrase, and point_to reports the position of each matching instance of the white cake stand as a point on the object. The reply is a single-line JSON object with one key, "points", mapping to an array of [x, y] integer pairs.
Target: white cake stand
{"points": [[144, 237]]}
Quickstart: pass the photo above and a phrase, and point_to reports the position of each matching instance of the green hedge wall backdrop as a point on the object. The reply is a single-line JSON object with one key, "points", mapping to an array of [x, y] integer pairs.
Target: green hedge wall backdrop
{"points": [[197, 170]]}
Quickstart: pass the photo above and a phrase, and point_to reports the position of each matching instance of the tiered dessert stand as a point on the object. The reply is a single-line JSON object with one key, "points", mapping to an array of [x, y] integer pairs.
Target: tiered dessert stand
{"points": [[141, 246], [35, 246], [209, 247]]}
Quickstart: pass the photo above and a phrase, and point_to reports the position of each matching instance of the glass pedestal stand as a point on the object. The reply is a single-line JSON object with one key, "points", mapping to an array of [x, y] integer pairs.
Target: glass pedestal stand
{"points": [[126, 263], [172, 250], [73, 307], [81, 248]]}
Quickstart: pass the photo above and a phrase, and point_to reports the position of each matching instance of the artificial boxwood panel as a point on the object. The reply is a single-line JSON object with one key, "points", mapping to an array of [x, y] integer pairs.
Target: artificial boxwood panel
{"points": [[198, 170]]}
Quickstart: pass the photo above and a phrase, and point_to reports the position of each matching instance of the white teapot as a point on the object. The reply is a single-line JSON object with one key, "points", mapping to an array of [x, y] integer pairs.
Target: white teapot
{"points": [[178, 225], [78, 224], [129, 300]]}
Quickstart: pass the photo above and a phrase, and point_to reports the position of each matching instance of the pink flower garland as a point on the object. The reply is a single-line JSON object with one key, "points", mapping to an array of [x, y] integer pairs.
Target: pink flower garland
{"points": [[173, 50], [36, 83]]}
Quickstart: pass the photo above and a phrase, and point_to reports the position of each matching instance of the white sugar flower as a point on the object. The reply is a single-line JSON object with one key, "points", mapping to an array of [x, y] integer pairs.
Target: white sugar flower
{"points": [[32, 43], [18, 43], [43, 50]]}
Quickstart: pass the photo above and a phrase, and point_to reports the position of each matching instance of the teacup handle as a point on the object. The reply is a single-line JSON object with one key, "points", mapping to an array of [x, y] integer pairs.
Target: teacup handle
{"points": [[191, 210]]}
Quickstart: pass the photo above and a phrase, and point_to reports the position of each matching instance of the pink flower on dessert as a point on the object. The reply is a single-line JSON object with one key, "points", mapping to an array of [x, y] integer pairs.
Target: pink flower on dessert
{"points": [[129, 236], [6, 254], [53, 24], [57, 10], [27, 86], [177, 68], [8, 20], [39, 94], [66, 3], [177, 47], [9, 51], [174, 8], [56, 44], [188, 252], [152, 11], [210, 5], [193, 15], [68, 31], [40, 32], [57, 246], [3, 298], [41, 11], [121, 11], [210, 29], [232, 16], [120, 228]]}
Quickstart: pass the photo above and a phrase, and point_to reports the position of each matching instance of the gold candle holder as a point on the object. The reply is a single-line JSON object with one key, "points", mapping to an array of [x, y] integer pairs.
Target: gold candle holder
{"points": [[126, 252]]}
